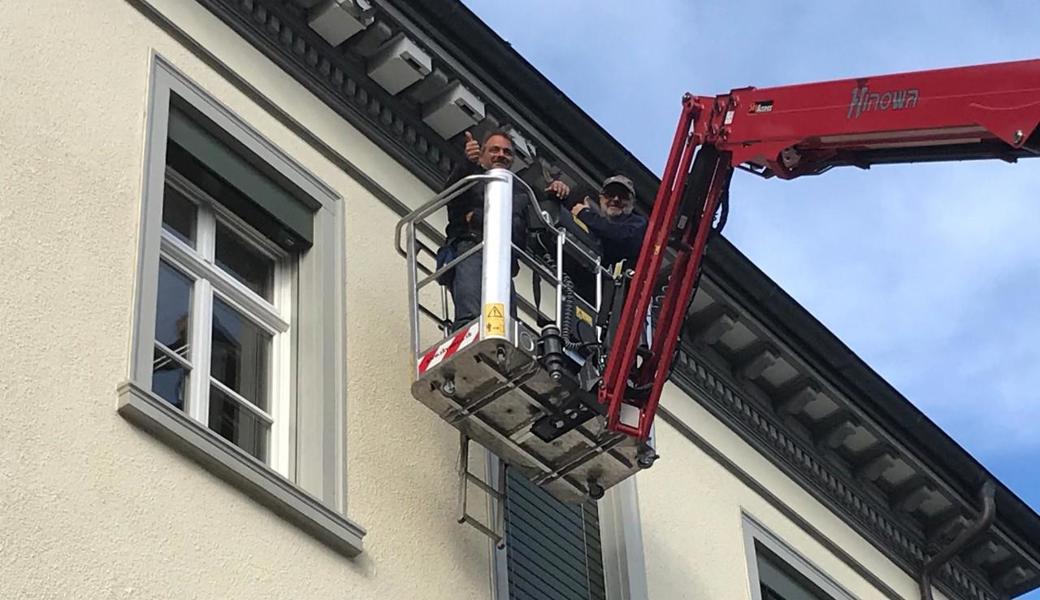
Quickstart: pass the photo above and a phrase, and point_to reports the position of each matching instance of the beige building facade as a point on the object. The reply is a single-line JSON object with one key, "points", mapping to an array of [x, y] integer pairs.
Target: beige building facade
{"points": [[205, 380]]}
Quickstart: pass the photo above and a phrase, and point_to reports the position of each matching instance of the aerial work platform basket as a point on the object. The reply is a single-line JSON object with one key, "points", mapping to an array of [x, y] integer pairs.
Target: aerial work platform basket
{"points": [[514, 379]]}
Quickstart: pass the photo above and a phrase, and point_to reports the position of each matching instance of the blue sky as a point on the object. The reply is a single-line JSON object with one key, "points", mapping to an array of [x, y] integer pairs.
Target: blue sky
{"points": [[928, 272]]}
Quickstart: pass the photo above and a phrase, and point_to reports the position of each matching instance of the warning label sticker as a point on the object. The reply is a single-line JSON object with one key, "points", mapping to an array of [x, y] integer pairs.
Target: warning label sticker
{"points": [[494, 319]]}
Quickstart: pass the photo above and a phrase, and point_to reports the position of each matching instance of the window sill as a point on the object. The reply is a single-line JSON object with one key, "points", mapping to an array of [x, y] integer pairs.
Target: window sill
{"points": [[153, 414]]}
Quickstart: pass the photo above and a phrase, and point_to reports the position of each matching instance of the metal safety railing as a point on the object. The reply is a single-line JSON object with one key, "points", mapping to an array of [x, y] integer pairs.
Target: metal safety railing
{"points": [[409, 245]]}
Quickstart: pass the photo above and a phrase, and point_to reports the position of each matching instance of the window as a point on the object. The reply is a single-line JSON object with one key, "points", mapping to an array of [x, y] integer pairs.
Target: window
{"points": [[780, 581], [223, 322], [777, 572], [552, 548], [238, 344]]}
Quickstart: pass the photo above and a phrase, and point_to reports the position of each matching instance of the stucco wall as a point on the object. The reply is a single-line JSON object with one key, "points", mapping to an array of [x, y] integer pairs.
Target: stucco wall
{"points": [[698, 551], [91, 507]]}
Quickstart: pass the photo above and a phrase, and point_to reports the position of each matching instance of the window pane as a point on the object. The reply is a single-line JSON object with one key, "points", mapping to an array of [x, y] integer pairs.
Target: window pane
{"points": [[169, 379], [237, 424], [781, 581], [243, 262], [172, 307], [178, 215], [240, 353]]}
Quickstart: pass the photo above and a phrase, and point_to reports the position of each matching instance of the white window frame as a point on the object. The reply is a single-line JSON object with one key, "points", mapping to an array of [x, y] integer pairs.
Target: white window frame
{"points": [[621, 537], [307, 483], [756, 533], [211, 282]]}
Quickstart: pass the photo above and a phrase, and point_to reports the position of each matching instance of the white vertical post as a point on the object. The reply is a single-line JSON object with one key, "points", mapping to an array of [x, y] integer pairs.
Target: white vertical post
{"points": [[560, 237], [496, 296]]}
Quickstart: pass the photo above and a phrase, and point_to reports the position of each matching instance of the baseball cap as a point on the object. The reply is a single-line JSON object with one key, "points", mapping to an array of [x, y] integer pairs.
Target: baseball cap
{"points": [[620, 180]]}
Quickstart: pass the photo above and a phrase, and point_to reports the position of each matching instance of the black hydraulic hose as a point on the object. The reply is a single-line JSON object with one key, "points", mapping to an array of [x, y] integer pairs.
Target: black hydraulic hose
{"points": [[567, 318], [567, 306], [972, 533], [723, 211]]}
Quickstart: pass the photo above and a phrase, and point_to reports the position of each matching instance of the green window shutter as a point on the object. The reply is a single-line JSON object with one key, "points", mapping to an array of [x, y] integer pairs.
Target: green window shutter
{"points": [[553, 548], [244, 183]]}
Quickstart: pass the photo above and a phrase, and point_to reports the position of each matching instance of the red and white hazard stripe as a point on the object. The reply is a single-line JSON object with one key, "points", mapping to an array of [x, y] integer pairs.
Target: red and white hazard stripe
{"points": [[449, 347]]}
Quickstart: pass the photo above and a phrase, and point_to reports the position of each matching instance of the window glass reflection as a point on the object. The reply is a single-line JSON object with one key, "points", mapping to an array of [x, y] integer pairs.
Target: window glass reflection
{"points": [[172, 307], [237, 424], [169, 379], [243, 262], [179, 216], [240, 354]]}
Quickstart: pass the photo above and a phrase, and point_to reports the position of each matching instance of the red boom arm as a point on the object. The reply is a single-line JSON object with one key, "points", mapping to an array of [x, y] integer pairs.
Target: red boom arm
{"points": [[981, 112]]}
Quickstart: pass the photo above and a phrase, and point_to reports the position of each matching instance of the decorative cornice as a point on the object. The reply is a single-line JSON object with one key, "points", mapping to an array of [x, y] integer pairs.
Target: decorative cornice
{"points": [[764, 430], [284, 37]]}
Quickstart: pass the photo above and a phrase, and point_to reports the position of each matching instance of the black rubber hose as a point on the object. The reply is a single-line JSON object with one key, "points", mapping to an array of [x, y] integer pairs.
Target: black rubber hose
{"points": [[567, 318], [723, 212], [567, 306]]}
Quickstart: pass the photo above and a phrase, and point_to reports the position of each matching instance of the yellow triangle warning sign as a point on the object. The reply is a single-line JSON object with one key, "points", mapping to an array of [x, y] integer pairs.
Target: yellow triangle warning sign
{"points": [[494, 319]]}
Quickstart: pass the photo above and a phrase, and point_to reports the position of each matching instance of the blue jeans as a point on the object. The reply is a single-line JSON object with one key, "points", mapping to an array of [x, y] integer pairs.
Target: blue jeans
{"points": [[466, 286]]}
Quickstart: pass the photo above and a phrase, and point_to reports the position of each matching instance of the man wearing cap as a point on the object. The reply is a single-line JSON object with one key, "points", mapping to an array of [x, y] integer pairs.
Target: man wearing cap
{"points": [[619, 229]]}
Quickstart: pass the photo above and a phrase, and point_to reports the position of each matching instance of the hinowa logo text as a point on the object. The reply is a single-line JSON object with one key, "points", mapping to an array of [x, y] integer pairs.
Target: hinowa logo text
{"points": [[863, 100]]}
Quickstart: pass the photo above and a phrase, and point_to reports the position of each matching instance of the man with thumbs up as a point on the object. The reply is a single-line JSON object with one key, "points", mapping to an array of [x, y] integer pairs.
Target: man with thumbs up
{"points": [[612, 221], [466, 219]]}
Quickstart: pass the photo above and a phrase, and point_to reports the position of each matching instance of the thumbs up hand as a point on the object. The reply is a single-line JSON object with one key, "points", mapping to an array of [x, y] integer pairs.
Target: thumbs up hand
{"points": [[472, 148], [580, 206]]}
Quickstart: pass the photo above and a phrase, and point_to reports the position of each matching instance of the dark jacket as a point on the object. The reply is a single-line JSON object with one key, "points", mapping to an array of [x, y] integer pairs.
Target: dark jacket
{"points": [[473, 200], [621, 237]]}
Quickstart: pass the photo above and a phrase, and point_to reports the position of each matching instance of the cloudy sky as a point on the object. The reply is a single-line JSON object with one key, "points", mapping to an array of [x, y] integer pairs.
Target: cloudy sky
{"points": [[929, 272]]}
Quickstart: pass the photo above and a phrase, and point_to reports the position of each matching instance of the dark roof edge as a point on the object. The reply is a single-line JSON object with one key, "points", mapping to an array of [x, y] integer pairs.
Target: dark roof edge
{"points": [[484, 52]]}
